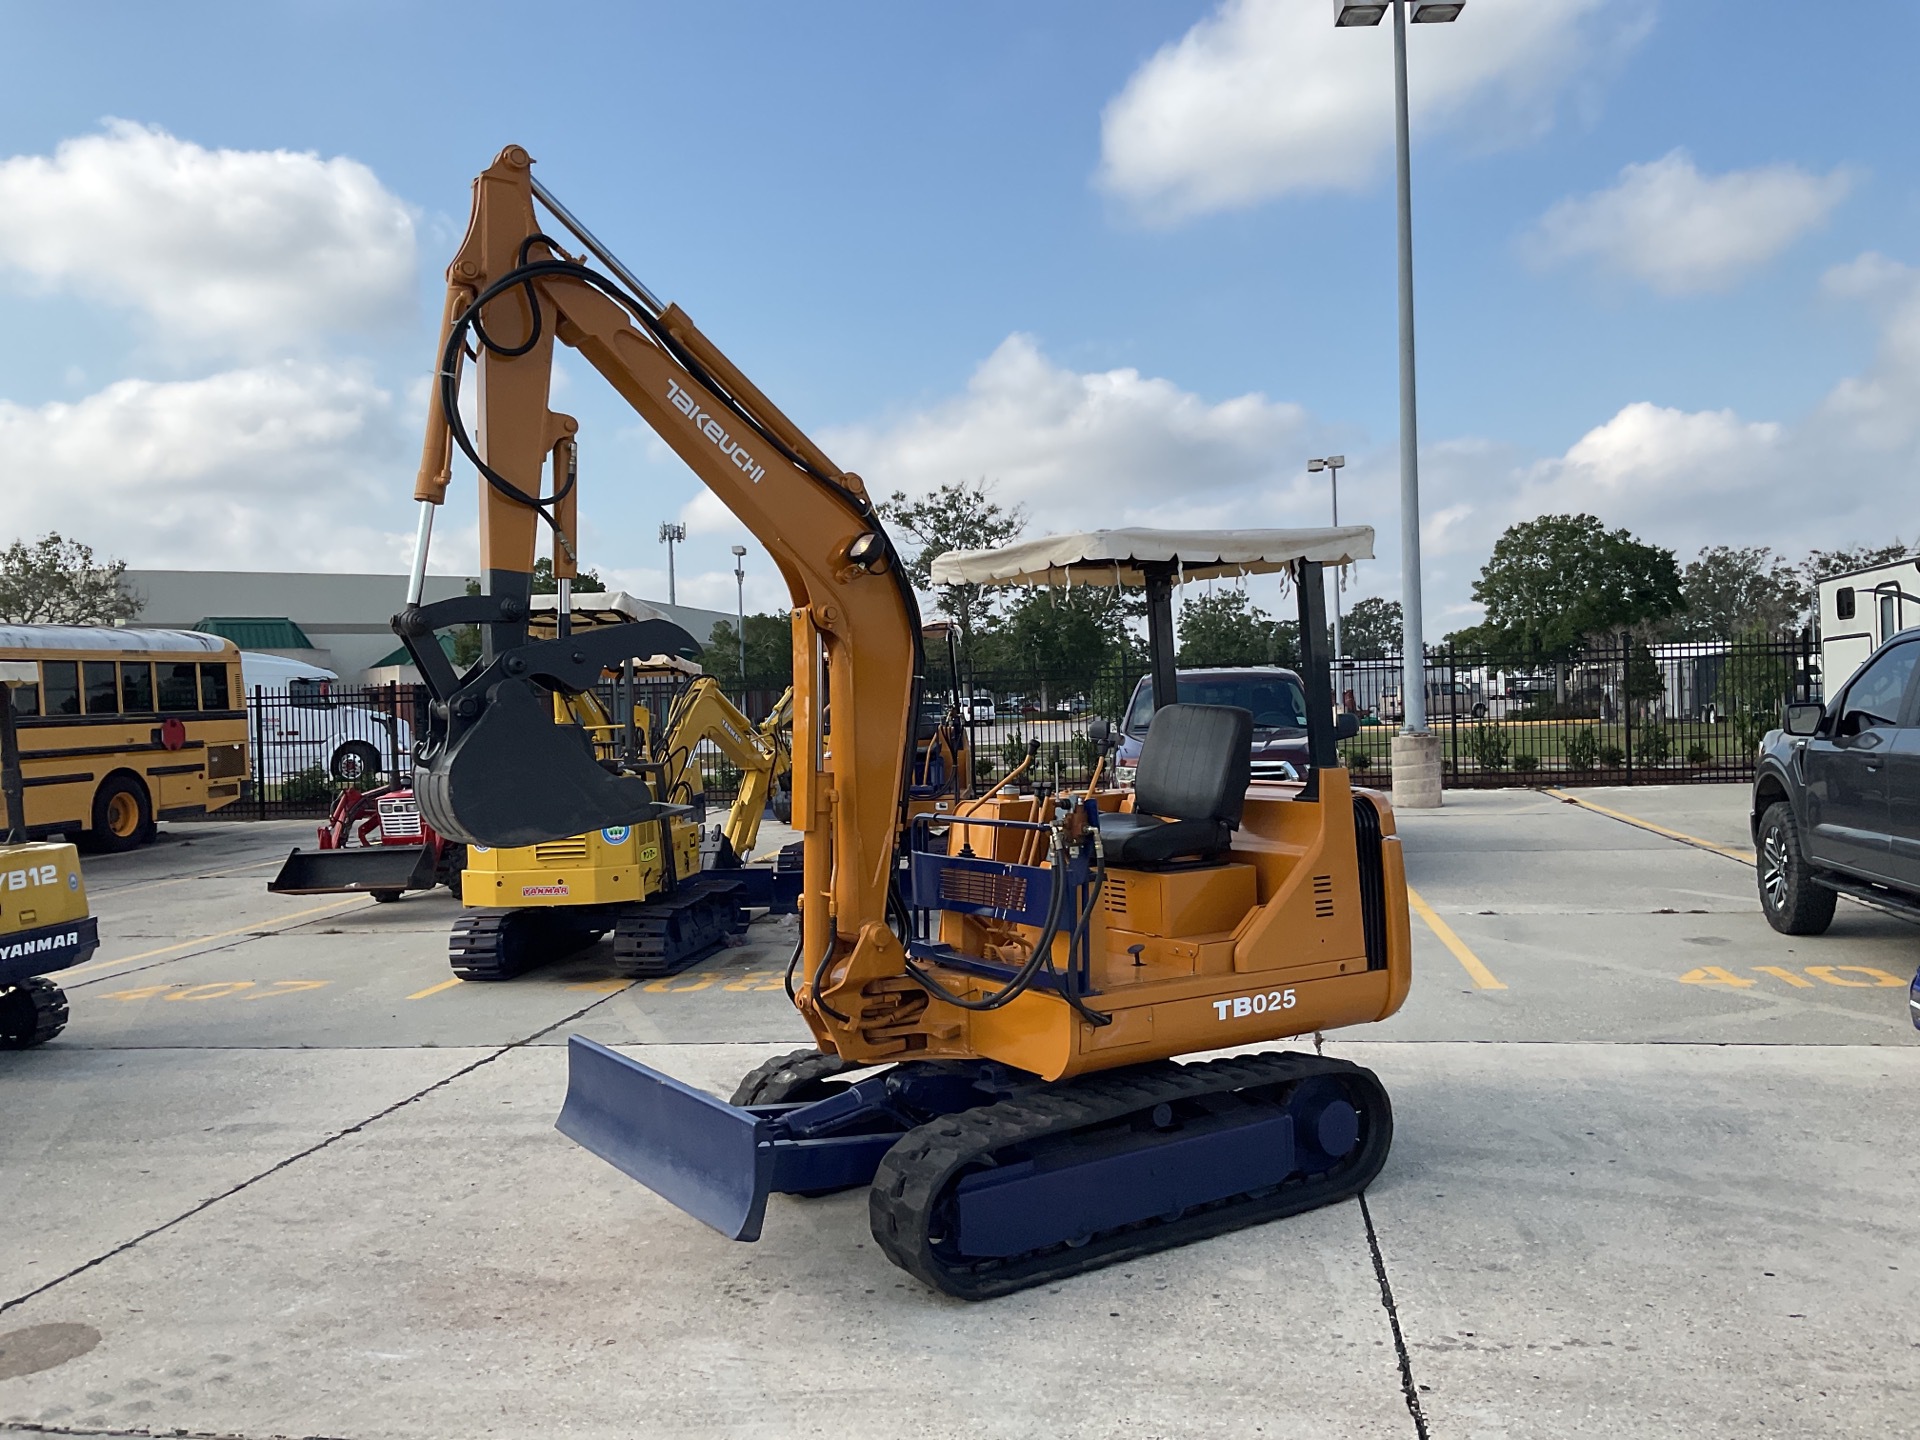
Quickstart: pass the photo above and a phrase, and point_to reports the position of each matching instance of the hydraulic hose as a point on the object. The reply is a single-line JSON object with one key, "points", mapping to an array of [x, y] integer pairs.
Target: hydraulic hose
{"points": [[1042, 956]]}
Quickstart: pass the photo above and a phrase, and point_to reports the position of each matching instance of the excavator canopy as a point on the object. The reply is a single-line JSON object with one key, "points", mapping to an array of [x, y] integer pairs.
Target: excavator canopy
{"points": [[1136, 556]]}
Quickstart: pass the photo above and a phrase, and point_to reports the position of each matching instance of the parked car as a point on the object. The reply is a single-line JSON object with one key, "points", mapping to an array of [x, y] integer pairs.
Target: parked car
{"points": [[1446, 700], [1836, 798], [1275, 697], [303, 724], [980, 705]]}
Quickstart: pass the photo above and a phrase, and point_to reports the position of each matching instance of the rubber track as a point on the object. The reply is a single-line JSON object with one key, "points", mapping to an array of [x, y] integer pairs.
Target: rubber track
{"points": [[49, 1003], [797, 1075], [477, 947], [916, 1174], [644, 945]]}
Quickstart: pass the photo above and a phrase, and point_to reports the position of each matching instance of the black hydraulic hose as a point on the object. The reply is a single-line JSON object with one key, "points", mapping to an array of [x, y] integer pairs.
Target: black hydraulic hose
{"points": [[1042, 955], [1086, 1011]]}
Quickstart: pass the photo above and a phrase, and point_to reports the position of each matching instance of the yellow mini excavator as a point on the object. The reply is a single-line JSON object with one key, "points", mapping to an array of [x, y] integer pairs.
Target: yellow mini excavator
{"points": [[668, 893], [45, 925], [997, 1009]]}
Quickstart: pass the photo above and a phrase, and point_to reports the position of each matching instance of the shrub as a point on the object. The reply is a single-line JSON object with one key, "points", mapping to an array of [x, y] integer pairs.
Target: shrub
{"points": [[1488, 745], [1656, 743], [1359, 760], [1583, 749], [1698, 754], [1013, 750], [1525, 764], [307, 787], [1612, 757]]}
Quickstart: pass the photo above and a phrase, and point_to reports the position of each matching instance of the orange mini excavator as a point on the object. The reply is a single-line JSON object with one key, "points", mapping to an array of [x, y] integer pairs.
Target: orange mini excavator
{"points": [[997, 993]]}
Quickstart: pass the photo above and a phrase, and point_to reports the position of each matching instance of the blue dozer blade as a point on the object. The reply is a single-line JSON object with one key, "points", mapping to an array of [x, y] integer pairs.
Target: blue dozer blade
{"points": [[692, 1150]]}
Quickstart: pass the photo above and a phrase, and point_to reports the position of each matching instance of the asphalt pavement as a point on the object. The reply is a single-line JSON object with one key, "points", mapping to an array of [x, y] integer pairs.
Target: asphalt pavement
{"points": [[282, 1176]]}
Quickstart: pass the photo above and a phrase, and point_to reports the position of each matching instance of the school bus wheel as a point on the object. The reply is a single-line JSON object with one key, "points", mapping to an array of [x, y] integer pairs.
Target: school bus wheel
{"points": [[122, 815]]}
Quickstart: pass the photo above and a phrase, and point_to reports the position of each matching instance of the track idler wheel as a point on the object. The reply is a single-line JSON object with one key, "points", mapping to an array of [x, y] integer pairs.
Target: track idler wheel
{"points": [[31, 1013]]}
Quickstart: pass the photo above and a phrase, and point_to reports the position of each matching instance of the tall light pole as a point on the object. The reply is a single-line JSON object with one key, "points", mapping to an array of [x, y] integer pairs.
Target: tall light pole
{"points": [[1332, 464], [669, 533], [1420, 751], [740, 585]]}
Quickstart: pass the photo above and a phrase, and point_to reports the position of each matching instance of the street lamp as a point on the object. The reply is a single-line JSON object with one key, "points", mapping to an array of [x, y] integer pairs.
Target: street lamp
{"points": [[1420, 751], [1332, 464], [740, 585], [669, 533]]}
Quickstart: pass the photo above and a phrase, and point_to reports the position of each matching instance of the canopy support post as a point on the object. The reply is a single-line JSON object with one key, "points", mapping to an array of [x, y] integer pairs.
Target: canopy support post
{"points": [[1159, 578], [1322, 745]]}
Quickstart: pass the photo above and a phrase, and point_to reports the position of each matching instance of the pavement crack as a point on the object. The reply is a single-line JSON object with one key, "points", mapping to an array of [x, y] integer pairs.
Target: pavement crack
{"points": [[1407, 1387], [295, 1159]]}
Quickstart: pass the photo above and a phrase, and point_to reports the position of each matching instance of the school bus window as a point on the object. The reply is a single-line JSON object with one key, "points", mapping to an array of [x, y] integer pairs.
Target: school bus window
{"points": [[177, 686], [213, 687], [136, 687], [103, 689], [62, 679], [26, 699]]}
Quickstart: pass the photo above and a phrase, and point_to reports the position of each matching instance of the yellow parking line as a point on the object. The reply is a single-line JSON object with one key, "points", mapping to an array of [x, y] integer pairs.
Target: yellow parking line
{"points": [[1745, 857], [1482, 977], [436, 989], [259, 928]]}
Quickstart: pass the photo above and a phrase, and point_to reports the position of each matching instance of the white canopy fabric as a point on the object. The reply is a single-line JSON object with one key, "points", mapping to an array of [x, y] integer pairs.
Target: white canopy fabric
{"points": [[1114, 557], [592, 609], [601, 602]]}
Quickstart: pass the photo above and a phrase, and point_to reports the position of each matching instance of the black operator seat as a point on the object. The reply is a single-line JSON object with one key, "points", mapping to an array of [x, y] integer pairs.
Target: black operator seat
{"points": [[1195, 766]]}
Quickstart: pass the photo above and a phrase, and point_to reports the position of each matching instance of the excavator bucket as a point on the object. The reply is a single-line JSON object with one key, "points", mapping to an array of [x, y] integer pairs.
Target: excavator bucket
{"points": [[697, 1152], [361, 868], [510, 776]]}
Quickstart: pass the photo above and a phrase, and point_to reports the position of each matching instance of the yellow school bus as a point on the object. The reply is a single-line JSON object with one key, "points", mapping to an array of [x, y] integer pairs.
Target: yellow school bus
{"points": [[126, 727]]}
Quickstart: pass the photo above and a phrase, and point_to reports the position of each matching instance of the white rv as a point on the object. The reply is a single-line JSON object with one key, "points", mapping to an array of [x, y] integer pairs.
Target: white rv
{"points": [[1861, 611]]}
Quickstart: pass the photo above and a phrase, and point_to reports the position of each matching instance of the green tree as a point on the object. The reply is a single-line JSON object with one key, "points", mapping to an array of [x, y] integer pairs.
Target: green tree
{"points": [[1226, 628], [1372, 629], [1554, 581], [957, 516], [1062, 639], [1732, 590], [769, 649], [587, 582], [56, 581]]}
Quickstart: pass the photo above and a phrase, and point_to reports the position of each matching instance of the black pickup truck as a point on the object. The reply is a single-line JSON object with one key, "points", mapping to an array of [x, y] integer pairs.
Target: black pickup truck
{"points": [[1836, 800]]}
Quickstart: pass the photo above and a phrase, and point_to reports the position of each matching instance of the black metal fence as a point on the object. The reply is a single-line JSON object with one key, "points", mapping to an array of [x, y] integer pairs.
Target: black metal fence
{"points": [[1622, 714]]}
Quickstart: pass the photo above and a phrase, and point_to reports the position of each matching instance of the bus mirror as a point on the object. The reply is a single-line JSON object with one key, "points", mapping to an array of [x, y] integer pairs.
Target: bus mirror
{"points": [[1346, 725], [1100, 732]]}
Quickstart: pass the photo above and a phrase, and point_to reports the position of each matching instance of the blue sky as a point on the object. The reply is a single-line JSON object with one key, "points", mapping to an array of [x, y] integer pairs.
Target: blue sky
{"points": [[1133, 262]]}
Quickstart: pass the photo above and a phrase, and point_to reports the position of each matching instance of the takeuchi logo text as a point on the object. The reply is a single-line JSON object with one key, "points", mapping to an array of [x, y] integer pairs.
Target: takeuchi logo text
{"points": [[709, 427]]}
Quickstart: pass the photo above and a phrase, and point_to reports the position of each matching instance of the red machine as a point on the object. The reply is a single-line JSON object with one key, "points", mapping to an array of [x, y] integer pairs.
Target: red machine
{"points": [[376, 842]]}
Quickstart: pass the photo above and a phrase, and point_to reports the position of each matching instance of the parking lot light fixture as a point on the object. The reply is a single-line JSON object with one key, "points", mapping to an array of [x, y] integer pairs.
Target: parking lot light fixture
{"points": [[740, 587], [1332, 465], [1357, 12], [1416, 757]]}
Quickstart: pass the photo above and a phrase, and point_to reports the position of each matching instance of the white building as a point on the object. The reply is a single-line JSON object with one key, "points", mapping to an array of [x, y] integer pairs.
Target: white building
{"points": [[341, 622]]}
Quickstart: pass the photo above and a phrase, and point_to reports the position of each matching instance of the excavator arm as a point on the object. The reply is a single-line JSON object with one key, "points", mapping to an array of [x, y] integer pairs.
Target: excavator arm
{"points": [[703, 712], [495, 769]]}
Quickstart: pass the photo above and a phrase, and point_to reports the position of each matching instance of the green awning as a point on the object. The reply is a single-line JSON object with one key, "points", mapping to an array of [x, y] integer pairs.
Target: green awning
{"points": [[258, 632], [401, 657]]}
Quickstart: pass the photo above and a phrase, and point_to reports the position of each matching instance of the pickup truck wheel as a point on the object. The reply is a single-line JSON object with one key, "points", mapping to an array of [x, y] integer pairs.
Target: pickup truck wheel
{"points": [[1793, 902]]}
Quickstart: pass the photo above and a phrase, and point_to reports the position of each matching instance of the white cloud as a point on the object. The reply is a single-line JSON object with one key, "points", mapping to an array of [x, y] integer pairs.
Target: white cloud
{"points": [[248, 249], [280, 466], [1110, 447], [1266, 97], [1680, 231]]}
